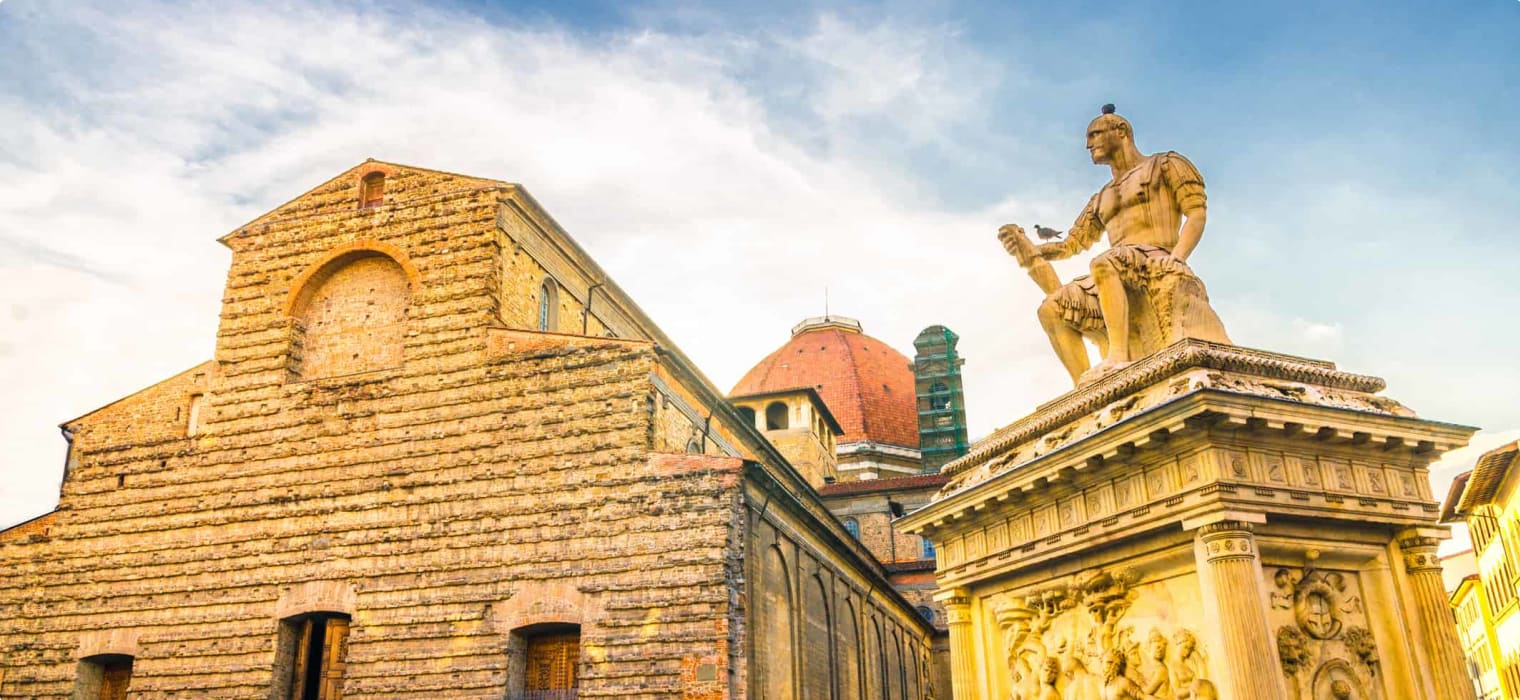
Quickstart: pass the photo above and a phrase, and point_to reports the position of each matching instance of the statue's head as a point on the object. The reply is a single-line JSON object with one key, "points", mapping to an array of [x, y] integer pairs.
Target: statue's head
{"points": [[1185, 643], [1107, 135], [1114, 663], [1157, 643], [1340, 690], [1050, 670]]}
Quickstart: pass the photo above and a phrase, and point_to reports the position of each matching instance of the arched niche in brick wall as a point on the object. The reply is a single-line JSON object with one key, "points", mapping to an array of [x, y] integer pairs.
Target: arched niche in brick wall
{"points": [[350, 311]]}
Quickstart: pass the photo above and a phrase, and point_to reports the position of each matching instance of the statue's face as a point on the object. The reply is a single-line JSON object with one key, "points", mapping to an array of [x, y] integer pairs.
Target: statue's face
{"points": [[1103, 141]]}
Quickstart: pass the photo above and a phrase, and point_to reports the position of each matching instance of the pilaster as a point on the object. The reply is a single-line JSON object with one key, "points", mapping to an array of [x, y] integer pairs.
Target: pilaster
{"points": [[1438, 632], [1229, 552], [957, 603]]}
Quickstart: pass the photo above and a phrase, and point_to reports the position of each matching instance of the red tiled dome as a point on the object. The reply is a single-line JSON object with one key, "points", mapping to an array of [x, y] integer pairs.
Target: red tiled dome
{"points": [[866, 384]]}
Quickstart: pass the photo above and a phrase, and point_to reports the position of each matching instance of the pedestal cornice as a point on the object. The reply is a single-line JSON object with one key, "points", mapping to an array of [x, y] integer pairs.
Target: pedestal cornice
{"points": [[1154, 449]]}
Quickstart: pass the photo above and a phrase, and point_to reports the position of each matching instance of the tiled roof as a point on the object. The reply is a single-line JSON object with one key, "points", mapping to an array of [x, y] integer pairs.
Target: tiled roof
{"points": [[866, 384], [906, 483], [1453, 495], [1486, 476], [905, 566]]}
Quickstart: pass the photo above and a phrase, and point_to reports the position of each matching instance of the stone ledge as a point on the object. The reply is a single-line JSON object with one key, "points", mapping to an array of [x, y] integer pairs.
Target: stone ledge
{"points": [[1173, 360]]}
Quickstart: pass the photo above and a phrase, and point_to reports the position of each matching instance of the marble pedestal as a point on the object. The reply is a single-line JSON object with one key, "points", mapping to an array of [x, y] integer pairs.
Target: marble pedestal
{"points": [[1210, 522]]}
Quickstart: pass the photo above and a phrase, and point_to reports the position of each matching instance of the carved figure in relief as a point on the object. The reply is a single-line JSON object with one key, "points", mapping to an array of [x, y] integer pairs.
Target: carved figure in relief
{"points": [[1050, 672], [1282, 598], [1157, 680], [1189, 669], [1141, 295], [1117, 684], [1071, 643]]}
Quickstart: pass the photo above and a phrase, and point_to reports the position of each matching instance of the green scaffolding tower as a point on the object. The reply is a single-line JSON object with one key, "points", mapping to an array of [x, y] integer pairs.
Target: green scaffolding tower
{"points": [[941, 399]]}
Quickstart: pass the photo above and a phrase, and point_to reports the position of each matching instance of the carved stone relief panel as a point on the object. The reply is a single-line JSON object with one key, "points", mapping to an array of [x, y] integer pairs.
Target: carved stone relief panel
{"points": [[1044, 521], [997, 537], [1128, 491], [976, 544], [1101, 634], [1339, 473], [1158, 483], [1190, 469], [1236, 466], [1323, 640], [1021, 528], [1307, 471], [1374, 478], [1272, 466]]}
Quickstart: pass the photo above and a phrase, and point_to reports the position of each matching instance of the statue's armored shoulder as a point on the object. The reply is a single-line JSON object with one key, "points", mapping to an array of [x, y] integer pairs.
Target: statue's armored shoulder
{"points": [[1182, 177]]}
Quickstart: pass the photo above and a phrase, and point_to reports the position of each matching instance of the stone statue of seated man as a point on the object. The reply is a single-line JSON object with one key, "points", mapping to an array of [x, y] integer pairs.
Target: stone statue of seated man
{"points": [[1141, 295]]}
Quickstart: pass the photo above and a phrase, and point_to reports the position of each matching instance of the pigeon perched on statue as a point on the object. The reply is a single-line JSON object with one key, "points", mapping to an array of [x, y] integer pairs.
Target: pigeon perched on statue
{"points": [[1046, 234]]}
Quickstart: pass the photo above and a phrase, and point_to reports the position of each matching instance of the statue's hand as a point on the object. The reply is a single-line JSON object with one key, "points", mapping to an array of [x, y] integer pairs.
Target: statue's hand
{"points": [[1017, 243]]}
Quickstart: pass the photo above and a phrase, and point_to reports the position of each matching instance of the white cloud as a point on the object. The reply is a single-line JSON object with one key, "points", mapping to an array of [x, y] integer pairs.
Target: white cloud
{"points": [[652, 154]]}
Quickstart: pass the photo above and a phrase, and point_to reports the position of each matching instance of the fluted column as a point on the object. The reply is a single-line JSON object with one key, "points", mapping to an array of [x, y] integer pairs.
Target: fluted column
{"points": [[963, 672], [1250, 658], [1438, 630]]}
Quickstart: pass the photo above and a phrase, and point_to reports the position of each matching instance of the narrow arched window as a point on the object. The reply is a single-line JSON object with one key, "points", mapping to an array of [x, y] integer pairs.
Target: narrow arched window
{"points": [[775, 416], [694, 446], [928, 549], [372, 190], [853, 526], [548, 306], [926, 612], [747, 414]]}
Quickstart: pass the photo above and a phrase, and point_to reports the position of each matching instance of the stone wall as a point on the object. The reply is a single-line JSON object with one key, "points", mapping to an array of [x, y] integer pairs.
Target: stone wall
{"points": [[822, 630]]}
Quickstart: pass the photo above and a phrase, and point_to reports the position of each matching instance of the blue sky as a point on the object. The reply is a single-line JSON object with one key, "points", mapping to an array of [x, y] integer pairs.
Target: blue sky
{"points": [[1359, 158]]}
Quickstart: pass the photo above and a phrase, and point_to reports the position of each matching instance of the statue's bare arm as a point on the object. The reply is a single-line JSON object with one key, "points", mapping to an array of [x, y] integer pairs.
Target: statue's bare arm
{"points": [[1084, 232]]}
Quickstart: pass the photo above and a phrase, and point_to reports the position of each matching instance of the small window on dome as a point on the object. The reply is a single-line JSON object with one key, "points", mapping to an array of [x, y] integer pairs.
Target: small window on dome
{"points": [[852, 526], [372, 191]]}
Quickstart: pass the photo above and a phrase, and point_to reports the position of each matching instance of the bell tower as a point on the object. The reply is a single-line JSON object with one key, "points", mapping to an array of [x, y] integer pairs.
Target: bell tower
{"points": [[941, 401]]}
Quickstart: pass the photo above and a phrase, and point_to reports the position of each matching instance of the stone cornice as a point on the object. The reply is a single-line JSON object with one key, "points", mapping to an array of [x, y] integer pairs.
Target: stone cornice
{"points": [[1170, 361]]}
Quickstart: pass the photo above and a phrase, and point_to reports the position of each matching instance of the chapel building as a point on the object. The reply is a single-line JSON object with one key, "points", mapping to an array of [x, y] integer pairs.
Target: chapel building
{"points": [[869, 428], [439, 453]]}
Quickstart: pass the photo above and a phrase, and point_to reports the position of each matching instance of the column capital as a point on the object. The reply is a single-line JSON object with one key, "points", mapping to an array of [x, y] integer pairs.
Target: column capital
{"points": [[1227, 539], [953, 597], [1420, 539]]}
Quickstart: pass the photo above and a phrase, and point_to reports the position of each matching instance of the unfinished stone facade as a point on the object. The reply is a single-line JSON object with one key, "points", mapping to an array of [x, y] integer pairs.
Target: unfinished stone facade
{"points": [[434, 427]]}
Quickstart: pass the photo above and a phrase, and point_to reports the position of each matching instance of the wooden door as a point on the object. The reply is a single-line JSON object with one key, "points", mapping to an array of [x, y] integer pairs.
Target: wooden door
{"points": [[552, 659], [114, 681], [334, 653], [303, 649]]}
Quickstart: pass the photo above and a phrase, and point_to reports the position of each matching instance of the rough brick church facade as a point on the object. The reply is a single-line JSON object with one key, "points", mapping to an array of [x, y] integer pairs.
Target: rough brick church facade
{"points": [[439, 454]]}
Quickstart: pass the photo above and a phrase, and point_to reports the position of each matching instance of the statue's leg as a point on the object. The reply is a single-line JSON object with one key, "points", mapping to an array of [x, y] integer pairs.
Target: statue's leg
{"points": [[1114, 301], [1066, 340]]}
